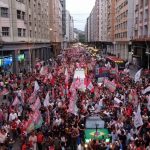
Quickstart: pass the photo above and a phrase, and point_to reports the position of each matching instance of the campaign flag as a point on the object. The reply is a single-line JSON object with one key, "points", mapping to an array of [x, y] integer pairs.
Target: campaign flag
{"points": [[110, 85], [16, 101], [148, 104], [147, 90], [137, 76], [46, 101], [138, 118], [39, 123], [36, 105], [133, 97], [37, 119], [32, 98], [36, 86], [90, 87], [30, 125]]}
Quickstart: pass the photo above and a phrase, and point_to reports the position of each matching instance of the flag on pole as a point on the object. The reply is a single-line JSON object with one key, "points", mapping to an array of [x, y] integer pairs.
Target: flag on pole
{"points": [[16, 101], [138, 118], [36, 105], [36, 86], [46, 101], [147, 90], [90, 87], [137, 76]]}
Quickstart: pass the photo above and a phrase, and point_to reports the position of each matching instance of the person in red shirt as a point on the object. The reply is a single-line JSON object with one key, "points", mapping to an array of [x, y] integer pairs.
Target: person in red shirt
{"points": [[40, 140], [24, 146]]}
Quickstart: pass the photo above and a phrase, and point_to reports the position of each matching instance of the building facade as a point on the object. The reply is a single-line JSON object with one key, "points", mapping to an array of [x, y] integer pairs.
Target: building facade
{"points": [[69, 27], [24, 28], [123, 27], [140, 42]]}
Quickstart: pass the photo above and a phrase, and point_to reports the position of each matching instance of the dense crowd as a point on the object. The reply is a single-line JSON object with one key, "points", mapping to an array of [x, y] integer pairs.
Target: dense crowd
{"points": [[36, 113]]}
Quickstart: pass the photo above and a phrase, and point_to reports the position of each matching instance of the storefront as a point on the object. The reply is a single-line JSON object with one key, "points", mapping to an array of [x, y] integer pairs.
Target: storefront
{"points": [[19, 57]]}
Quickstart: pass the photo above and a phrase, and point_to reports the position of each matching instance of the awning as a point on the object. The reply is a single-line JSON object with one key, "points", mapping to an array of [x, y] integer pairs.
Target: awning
{"points": [[12, 47]]}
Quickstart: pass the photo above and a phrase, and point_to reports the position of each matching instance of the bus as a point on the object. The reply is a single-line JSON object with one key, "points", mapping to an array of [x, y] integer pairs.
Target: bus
{"points": [[115, 62]]}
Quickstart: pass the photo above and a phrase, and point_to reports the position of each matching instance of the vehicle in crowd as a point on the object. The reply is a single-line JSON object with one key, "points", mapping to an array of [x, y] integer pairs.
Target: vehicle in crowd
{"points": [[95, 130], [115, 62]]}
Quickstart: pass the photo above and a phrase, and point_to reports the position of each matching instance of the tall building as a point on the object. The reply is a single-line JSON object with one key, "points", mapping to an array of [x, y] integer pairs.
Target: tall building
{"points": [[140, 41], [97, 22], [69, 37], [123, 27], [110, 25], [24, 32]]}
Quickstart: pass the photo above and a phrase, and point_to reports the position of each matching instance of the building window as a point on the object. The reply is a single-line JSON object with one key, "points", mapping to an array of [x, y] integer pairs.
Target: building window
{"points": [[19, 32], [23, 15], [24, 32], [5, 31], [4, 12], [30, 33], [18, 14], [21, 1]]}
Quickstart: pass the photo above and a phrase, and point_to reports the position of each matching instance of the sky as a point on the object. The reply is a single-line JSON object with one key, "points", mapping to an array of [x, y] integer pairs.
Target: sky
{"points": [[80, 10]]}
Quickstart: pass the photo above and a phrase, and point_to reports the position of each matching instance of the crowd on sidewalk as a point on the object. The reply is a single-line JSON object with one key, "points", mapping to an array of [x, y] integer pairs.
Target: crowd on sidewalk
{"points": [[46, 109]]}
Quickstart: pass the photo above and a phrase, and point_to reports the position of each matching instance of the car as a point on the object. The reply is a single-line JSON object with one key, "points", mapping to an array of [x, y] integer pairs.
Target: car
{"points": [[95, 129]]}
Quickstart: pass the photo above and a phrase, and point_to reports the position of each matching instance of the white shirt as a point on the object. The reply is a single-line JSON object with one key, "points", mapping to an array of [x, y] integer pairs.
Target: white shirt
{"points": [[12, 116], [3, 137]]}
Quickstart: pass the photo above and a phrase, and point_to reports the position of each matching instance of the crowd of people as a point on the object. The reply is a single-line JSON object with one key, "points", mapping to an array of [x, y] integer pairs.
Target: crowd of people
{"points": [[46, 109]]}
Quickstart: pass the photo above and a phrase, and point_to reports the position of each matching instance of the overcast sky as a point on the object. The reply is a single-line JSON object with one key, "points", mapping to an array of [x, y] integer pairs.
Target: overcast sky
{"points": [[80, 10]]}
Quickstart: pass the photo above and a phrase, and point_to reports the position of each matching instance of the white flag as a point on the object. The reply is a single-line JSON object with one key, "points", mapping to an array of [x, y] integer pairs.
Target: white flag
{"points": [[146, 90], [138, 119], [46, 101], [137, 76], [148, 104], [36, 86]]}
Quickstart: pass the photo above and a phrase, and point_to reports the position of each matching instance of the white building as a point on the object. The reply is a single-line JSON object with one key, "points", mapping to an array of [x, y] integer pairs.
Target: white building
{"points": [[69, 27]]}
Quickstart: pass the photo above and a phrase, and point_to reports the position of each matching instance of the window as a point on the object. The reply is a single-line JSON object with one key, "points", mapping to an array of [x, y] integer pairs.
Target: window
{"points": [[19, 32], [4, 12], [30, 33], [5, 31], [23, 15], [21, 1], [24, 32], [18, 14]]}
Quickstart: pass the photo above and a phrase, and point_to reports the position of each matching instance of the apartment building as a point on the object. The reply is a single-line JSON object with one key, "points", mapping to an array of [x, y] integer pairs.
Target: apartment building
{"points": [[110, 25], [123, 27], [24, 28], [140, 42], [97, 22], [69, 27]]}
